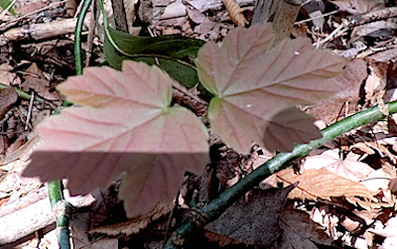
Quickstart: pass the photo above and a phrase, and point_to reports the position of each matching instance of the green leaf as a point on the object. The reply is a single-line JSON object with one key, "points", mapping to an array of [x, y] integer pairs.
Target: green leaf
{"points": [[5, 3], [126, 125], [173, 46], [256, 88]]}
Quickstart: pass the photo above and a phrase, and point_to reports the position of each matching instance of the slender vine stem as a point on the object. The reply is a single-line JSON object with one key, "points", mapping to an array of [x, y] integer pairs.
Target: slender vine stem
{"points": [[132, 56], [22, 94], [77, 42], [217, 206], [60, 206]]}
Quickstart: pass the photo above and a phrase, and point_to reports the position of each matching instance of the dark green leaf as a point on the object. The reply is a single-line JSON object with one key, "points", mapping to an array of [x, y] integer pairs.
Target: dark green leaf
{"points": [[173, 47]]}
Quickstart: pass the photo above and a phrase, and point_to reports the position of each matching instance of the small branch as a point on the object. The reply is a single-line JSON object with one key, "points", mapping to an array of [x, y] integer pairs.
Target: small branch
{"points": [[358, 20], [284, 19], [372, 16], [39, 31], [217, 206], [264, 9], [120, 18]]}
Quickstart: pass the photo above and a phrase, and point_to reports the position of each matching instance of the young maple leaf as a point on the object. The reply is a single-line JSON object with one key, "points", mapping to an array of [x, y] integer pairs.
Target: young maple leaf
{"points": [[125, 125], [255, 87]]}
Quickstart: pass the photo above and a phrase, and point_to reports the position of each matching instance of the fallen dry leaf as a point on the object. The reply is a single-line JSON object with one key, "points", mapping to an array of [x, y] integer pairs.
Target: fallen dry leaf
{"points": [[235, 13], [35, 79], [8, 97], [299, 231], [388, 231], [256, 220], [7, 76], [133, 226], [349, 84], [30, 8], [376, 80], [324, 184], [348, 168], [357, 7]]}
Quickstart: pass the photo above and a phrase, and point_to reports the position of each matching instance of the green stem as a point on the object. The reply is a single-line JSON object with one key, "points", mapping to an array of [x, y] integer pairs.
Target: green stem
{"points": [[77, 43], [217, 206], [59, 205], [22, 94], [61, 208]]}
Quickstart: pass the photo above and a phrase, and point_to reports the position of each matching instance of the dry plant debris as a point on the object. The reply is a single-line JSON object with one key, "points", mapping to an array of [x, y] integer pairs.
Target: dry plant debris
{"points": [[347, 189]]}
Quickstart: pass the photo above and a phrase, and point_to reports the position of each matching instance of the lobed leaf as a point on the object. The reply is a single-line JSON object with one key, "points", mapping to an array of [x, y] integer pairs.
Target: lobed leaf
{"points": [[127, 126], [255, 87]]}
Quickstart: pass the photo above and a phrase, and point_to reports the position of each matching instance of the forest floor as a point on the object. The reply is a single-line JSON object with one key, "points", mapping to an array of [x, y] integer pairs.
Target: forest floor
{"points": [[346, 193]]}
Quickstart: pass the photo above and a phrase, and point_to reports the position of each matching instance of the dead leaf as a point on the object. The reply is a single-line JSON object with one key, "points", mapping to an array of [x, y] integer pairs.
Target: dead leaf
{"points": [[8, 97], [393, 185], [349, 84], [378, 179], [388, 231], [195, 15], [7, 76], [35, 79], [133, 226], [235, 13], [30, 8], [253, 221], [357, 7], [324, 184], [299, 231], [349, 168], [220, 240]]}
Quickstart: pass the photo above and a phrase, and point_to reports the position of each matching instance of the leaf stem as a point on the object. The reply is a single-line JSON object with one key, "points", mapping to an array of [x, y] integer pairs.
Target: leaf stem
{"points": [[217, 206]]}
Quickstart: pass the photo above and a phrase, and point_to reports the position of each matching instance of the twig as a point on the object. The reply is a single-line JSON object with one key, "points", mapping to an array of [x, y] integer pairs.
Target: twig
{"points": [[217, 206], [39, 31], [120, 18], [29, 111], [333, 34], [7, 9], [284, 19], [358, 20], [316, 17], [372, 16], [12, 22]]}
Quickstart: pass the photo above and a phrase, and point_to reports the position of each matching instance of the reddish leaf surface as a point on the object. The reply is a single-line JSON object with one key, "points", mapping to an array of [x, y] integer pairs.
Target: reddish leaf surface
{"points": [[254, 85], [132, 128]]}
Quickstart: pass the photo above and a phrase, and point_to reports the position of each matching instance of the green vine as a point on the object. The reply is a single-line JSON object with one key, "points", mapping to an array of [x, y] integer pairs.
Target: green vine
{"points": [[60, 206], [217, 206]]}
